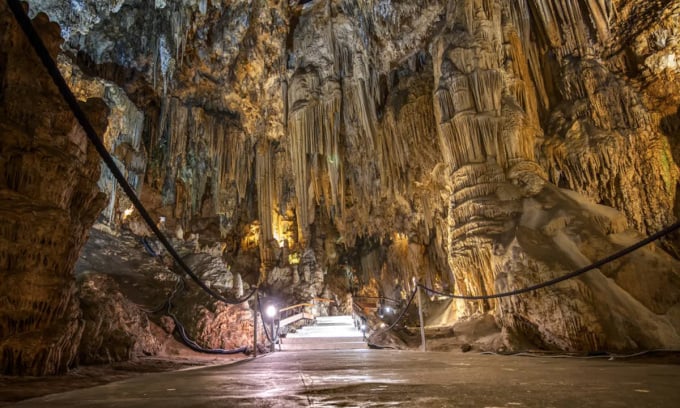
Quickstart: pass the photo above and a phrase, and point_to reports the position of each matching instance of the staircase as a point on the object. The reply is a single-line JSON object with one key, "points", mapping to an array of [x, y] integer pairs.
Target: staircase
{"points": [[329, 333]]}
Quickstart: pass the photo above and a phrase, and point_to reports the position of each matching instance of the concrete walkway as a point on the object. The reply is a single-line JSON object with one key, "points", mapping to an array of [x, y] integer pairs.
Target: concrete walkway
{"points": [[380, 378]]}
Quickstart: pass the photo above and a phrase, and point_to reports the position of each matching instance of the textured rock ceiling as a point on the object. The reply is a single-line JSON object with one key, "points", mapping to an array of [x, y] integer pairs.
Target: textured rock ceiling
{"points": [[476, 145]]}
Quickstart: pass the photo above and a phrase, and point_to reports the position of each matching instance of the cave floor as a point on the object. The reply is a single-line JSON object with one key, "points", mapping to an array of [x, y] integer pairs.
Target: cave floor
{"points": [[372, 378]]}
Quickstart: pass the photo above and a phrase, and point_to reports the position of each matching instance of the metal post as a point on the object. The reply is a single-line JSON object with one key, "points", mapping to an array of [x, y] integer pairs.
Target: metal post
{"points": [[255, 327], [422, 323], [273, 347]]}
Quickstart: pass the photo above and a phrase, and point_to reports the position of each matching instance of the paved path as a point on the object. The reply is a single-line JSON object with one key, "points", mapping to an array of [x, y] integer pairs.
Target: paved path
{"points": [[379, 378]]}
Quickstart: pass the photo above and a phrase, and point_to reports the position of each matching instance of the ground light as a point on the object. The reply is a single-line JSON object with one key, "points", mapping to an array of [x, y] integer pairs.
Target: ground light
{"points": [[271, 313]]}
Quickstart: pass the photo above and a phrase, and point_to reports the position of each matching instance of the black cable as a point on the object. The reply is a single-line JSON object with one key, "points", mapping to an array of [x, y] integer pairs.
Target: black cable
{"points": [[403, 312], [194, 346], [275, 335], [581, 271], [264, 324], [607, 355], [40, 49], [179, 286], [148, 248]]}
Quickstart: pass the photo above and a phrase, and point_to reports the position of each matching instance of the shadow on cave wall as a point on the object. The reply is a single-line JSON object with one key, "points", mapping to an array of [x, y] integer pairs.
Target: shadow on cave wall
{"points": [[670, 125]]}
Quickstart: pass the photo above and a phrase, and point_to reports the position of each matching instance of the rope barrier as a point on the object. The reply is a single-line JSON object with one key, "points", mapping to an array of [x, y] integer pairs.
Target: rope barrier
{"points": [[40, 49], [580, 271]]}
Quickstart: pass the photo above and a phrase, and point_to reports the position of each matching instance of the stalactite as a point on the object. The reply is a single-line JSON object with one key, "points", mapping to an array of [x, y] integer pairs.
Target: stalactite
{"points": [[601, 171], [314, 132], [564, 25], [205, 147], [401, 143], [266, 200]]}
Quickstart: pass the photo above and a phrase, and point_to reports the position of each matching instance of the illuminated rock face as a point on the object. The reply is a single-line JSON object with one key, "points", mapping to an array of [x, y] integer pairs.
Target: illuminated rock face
{"points": [[49, 200], [508, 226], [476, 145]]}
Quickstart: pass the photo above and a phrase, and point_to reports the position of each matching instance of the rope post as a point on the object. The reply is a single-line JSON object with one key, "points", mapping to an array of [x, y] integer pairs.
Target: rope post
{"points": [[273, 347], [255, 325], [420, 315]]}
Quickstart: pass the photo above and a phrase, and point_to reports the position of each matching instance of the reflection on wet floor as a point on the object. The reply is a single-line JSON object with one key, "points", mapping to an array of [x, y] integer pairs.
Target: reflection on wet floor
{"points": [[379, 378]]}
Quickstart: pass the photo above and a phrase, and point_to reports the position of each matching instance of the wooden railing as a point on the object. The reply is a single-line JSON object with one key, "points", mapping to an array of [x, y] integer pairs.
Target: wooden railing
{"points": [[291, 314], [294, 313]]}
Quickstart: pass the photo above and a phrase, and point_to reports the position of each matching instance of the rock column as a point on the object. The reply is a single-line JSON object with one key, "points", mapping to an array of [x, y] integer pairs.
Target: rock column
{"points": [[48, 202]]}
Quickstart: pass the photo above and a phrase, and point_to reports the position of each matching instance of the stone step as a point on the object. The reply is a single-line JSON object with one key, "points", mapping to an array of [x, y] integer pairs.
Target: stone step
{"points": [[323, 345], [335, 319], [328, 339], [329, 333], [318, 334]]}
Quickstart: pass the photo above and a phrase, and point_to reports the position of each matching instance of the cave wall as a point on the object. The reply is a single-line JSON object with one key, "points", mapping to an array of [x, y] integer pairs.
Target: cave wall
{"points": [[522, 84], [466, 144], [48, 202]]}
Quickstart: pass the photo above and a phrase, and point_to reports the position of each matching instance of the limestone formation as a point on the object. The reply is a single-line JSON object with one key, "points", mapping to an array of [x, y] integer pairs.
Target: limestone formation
{"points": [[476, 146], [116, 329], [49, 200]]}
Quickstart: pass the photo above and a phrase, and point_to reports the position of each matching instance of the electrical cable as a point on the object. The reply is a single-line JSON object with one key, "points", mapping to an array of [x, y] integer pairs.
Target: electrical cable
{"points": [[148, 248], [179, 286], [403, 311], [580, 271], [264, 324], [275, 335], [610, 356], [39, 47]]}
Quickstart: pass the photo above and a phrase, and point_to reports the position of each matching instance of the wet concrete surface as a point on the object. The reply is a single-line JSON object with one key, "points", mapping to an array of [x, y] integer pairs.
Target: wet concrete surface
{"points": [[381, 378]]}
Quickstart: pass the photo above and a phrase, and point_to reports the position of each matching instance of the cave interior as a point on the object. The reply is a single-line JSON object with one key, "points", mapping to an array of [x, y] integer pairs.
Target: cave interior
{"points": [[344, 153]]}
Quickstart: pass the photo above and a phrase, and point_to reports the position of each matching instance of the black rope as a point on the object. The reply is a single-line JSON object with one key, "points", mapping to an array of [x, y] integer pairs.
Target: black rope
{"points": [[40, 49], [581, 271], [194, 346]]}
